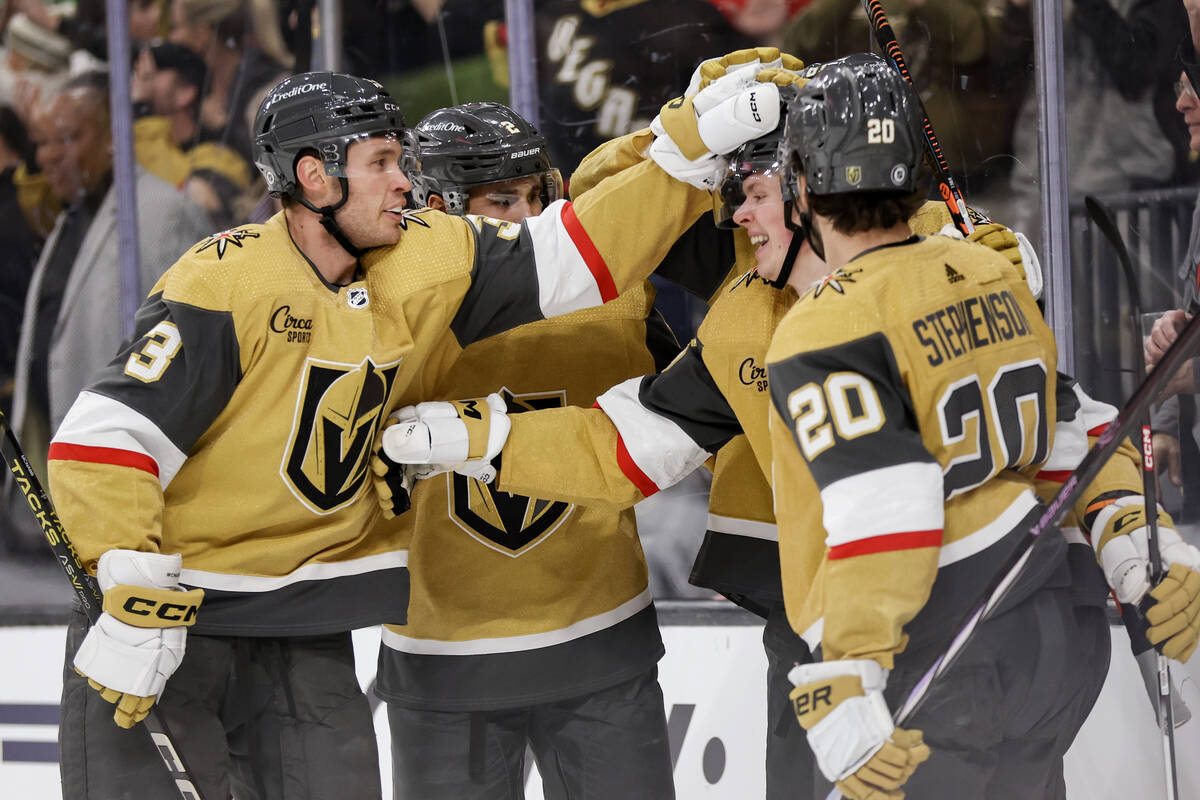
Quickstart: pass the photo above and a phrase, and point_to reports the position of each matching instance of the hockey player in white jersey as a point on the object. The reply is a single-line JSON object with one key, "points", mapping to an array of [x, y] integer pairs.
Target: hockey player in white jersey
{"points": [[530, 623], [219, 462]]}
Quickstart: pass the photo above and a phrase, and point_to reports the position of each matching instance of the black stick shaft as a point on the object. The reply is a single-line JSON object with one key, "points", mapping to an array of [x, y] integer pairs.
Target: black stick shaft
{"points": [[1164, 709], [86, 590], [947, 186]]}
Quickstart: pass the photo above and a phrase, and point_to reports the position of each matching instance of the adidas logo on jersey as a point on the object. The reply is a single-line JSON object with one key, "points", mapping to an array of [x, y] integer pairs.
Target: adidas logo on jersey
{"points": [[953, 275]]}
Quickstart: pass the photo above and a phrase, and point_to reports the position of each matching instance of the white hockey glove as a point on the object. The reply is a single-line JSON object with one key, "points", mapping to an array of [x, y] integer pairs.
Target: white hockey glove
{"points": [[464, 435], [138, 642], [1172, 607], [851, 733], [693, 133]]}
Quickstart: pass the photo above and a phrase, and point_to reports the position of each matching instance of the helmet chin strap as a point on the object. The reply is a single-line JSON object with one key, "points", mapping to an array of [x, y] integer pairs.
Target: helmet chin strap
{"points": [[789, 258], [330, 224], [813, 235]]}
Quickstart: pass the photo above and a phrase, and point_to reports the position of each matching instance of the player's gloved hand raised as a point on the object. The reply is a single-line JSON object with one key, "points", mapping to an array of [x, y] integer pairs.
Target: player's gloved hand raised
{"points": [[463, 435], [138, 642], [1173, 610], [857, 746], [693, 133], [750, 58]]}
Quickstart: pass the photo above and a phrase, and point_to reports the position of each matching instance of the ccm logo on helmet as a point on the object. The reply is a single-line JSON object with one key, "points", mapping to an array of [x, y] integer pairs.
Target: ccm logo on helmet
{"points": [[303, 88], [171, 612]]}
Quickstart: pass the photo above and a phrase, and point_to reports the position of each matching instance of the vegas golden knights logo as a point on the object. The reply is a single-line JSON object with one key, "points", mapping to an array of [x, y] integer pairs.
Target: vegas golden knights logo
{"points": [[333, 431], [509, 523]]}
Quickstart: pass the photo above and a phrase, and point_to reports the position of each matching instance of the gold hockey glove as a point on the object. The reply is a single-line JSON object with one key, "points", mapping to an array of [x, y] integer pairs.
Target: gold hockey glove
{"points": [[756, 57], [138, 642], [1175, 615], [393, 485], [840, 704]]}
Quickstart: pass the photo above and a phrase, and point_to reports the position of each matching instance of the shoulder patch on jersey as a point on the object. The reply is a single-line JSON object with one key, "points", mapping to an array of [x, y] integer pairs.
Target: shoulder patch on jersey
{"points": [[835, 281], [412, 215], [977, 217], [222, 240], [747, 280]]}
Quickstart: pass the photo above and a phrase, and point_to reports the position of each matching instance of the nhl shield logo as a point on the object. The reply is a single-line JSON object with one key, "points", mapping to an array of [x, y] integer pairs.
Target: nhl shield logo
{"points": [[357, 297], [507, 523], [853, 175], [333, 431]]}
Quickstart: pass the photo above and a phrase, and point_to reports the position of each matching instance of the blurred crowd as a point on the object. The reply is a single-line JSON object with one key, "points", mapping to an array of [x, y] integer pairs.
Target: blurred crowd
{"points": [[198, 70]]}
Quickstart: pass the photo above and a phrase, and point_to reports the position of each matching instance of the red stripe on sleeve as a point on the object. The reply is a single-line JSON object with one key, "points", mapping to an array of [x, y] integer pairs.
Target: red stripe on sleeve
{"points": [[632, 471], [1056, 475], [60, 451], [591, 256], [909, 540]]}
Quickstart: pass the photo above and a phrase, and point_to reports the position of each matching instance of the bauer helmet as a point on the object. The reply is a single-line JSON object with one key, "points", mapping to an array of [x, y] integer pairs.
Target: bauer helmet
{"points": [[854, 127], [321, 112], [474, 144]]}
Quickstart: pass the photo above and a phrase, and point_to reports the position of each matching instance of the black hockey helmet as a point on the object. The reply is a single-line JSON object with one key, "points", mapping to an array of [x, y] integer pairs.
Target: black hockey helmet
{"points": [[474, 144], [854, 127], [757, 156], [323, 112]]}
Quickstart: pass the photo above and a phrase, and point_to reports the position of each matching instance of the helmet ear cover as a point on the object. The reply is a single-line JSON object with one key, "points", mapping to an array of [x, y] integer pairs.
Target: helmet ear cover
{"points": [[476, 144]]}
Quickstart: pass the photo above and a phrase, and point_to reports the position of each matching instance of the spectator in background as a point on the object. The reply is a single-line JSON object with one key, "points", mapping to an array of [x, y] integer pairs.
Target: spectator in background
{"points": [[85, 26], [166, 88], [72, 323], [36, 63], [762, 21], [605, 67], [1175, 421], [19, 246], [239, 71], [946, 46], [1118, 64]]}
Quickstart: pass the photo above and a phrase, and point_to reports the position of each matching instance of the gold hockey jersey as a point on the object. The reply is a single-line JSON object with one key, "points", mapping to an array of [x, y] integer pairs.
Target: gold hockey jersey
{"points": [[913, 395], [235, 428], [517, 601]]}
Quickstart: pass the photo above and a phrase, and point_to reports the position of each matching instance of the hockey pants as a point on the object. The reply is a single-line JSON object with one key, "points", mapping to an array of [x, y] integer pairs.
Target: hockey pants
{"points": [[262, 718], [1001, 718], [608, 744]]}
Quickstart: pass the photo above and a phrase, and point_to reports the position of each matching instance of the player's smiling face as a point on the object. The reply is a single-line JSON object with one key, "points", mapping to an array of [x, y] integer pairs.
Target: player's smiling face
{"points": [[377, 192], [762, 215]]}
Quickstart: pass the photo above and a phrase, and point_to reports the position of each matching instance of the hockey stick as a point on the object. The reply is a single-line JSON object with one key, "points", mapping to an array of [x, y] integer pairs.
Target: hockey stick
{"points": [[946, 184], [1164, 711], [1106, 444], [86, 590]]}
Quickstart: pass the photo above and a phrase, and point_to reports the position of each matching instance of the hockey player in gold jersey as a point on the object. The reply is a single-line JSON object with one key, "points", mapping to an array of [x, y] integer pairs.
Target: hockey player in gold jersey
{"points": [[633, 445], [530, 623], [913, 393], [225, 450]]}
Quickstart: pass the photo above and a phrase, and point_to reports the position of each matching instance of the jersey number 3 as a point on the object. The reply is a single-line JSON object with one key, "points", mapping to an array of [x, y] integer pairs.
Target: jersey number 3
{"points": [[162, 345]]}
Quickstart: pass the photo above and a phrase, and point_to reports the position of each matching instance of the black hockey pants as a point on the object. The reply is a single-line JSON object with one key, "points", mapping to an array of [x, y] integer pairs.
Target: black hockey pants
{"points": [[1001, 718], [265, 718], [605, 745]]}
